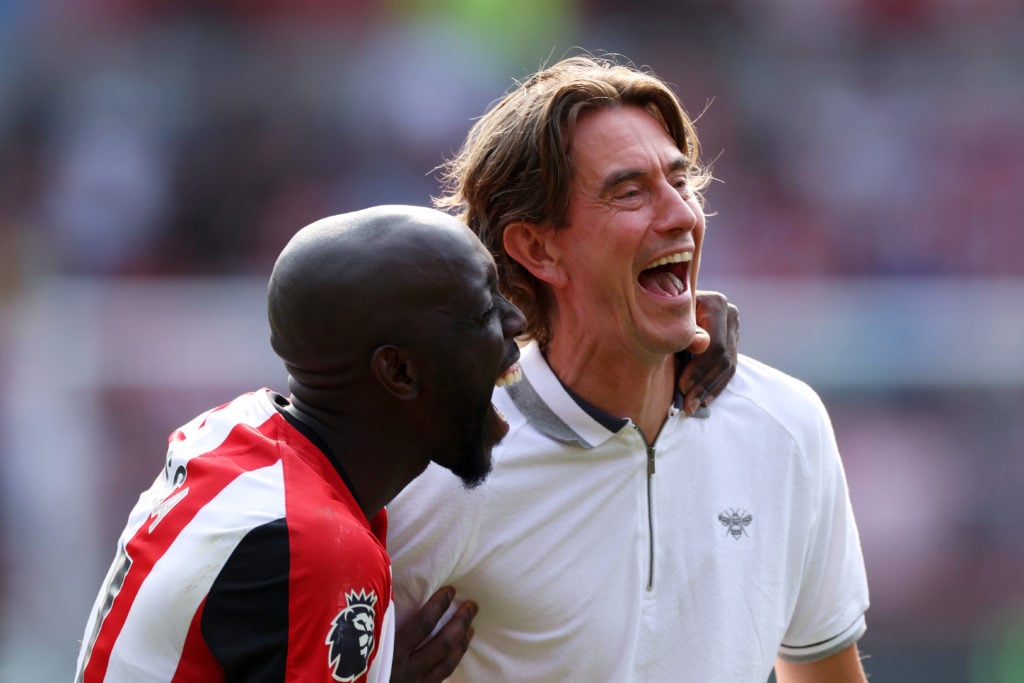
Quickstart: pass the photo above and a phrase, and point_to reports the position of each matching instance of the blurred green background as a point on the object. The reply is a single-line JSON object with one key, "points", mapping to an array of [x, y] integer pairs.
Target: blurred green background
{"points": [[155, 155]]}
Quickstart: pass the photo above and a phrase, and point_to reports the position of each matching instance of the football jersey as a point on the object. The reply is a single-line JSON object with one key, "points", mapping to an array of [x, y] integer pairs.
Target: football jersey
{"points": [[249, 558]]}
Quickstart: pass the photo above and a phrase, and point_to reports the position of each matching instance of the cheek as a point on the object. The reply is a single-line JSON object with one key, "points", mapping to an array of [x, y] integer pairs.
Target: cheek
{"points": [[484, 362], [698, 241]]}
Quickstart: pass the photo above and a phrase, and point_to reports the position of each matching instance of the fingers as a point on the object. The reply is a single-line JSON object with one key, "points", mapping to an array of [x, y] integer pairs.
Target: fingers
{"points": [[701, 341], [410, 634], [733, 330], [712, 311], [709, 385], [438, 657], [420, 656], [714, 360]]}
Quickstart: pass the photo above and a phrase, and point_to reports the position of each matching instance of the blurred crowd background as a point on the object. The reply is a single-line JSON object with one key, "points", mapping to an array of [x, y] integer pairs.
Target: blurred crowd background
{"points": [[155, 155]]}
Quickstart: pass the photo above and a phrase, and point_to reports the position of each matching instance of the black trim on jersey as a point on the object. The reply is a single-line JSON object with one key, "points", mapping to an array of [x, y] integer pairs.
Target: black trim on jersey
{"points": [[282, 404], [245, 619]]}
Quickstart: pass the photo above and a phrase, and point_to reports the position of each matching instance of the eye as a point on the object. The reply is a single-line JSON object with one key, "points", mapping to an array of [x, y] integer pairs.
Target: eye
{"points": [[682, 185], [487, 315], [631, 191]]}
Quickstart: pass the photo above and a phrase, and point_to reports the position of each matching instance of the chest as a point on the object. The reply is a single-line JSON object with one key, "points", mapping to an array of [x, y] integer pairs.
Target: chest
{"points": [[644, 548]]}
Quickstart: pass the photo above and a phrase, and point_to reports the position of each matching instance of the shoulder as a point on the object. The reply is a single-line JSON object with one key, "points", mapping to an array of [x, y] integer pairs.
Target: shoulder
{"points": [[324, 530], [785, 399], [242, 430], [249, 409], [763, 405]]}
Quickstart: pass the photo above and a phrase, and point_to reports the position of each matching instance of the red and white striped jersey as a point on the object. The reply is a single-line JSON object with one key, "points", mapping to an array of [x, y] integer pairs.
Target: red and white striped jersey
{"points": [[248, 559]]}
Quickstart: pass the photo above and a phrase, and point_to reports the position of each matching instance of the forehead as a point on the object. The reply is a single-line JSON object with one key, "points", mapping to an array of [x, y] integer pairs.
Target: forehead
{"points": [[476, 259], [620, 136], [468, 271]]}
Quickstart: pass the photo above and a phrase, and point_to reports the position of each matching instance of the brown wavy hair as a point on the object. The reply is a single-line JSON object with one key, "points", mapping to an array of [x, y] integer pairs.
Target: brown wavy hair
{"points": [[515, 163]]}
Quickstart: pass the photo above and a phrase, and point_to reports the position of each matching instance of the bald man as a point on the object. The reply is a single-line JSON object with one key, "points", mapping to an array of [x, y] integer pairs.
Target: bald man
{"points": [[258, 554]]}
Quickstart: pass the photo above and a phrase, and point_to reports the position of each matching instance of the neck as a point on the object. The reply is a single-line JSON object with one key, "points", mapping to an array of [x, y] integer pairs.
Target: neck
{"points": [[373, 481], [618, 384]]}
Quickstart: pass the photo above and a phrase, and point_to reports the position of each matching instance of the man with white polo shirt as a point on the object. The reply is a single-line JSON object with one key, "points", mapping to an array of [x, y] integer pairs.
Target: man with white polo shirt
{"points": [[619, 536]]}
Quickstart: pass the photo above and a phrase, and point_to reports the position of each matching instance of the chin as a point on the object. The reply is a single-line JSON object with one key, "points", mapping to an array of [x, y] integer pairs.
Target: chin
{"points": [[468, 456], [684, 336], [671, 345], [474, 429], [473, 471]]}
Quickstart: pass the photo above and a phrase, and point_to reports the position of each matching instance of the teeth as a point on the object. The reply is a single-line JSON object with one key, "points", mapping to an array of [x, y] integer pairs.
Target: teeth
{"points": [[512, 375], [678, 257]]}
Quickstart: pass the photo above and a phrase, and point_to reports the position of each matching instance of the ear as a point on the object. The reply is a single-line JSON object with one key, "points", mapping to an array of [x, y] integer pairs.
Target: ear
{"points": [[396, 370], [533, 247]]}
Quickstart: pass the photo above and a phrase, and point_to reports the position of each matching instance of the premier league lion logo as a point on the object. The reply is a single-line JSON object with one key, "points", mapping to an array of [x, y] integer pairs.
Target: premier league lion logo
{"points": [[351, 637]]}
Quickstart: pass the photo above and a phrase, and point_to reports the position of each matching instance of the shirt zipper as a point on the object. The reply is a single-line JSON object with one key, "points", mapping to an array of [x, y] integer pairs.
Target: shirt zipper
{"points": [[650, 509], [650, 518]]}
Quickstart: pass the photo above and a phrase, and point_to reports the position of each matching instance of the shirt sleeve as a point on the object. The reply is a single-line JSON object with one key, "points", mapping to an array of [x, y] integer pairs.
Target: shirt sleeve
{"points": [[833, 597]]}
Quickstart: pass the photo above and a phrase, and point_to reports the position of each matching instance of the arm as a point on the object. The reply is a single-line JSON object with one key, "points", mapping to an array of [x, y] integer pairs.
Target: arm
{"points": [[422, 657], [842, 667], [829, 616], [714, 349]]}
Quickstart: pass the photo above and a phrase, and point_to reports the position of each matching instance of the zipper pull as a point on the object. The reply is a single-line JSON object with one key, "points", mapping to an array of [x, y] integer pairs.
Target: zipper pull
{"points": [[649, 447]]}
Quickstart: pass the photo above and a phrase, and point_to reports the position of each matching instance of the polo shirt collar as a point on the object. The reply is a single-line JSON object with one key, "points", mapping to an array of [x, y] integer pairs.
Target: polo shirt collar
{"points": [[549, 407], [557, 412]]}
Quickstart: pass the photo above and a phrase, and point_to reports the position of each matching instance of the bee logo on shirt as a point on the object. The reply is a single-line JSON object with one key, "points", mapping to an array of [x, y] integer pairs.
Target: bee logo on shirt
{"points": [[735, 522], [351, 638]]}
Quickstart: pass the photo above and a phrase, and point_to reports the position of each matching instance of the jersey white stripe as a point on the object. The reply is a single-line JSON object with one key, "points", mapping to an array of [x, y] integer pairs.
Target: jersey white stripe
{"points": [[380, 667], [152, 639]]}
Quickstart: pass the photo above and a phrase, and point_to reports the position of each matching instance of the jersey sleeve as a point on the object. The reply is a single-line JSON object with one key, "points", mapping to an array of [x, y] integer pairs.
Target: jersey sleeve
{"points": [[833, 596]]}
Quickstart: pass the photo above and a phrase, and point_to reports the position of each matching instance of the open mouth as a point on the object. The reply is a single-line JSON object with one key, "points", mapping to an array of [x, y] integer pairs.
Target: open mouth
{"points": [[498, 424], [667, 276], [509, 376]]}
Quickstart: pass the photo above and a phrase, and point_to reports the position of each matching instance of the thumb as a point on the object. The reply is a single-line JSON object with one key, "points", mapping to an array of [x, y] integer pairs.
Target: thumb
{"points": [[701, 341]]}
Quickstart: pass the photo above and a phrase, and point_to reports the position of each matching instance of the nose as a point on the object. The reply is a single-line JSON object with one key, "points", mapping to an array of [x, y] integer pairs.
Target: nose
{"points": [[513, 322], [679, 208]]}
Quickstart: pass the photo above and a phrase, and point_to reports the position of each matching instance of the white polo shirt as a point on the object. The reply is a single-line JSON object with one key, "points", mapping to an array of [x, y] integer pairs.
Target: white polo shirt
{"points": [[593, 558]]}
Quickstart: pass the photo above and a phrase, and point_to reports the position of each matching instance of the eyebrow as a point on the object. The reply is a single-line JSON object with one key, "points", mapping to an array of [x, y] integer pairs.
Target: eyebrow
{"points": [[617, 178]]}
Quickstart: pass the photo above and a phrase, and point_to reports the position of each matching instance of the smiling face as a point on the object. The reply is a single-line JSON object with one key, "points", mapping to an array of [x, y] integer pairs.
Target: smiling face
{"points": [[474, 349], [394, 333], [631, 251]]}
